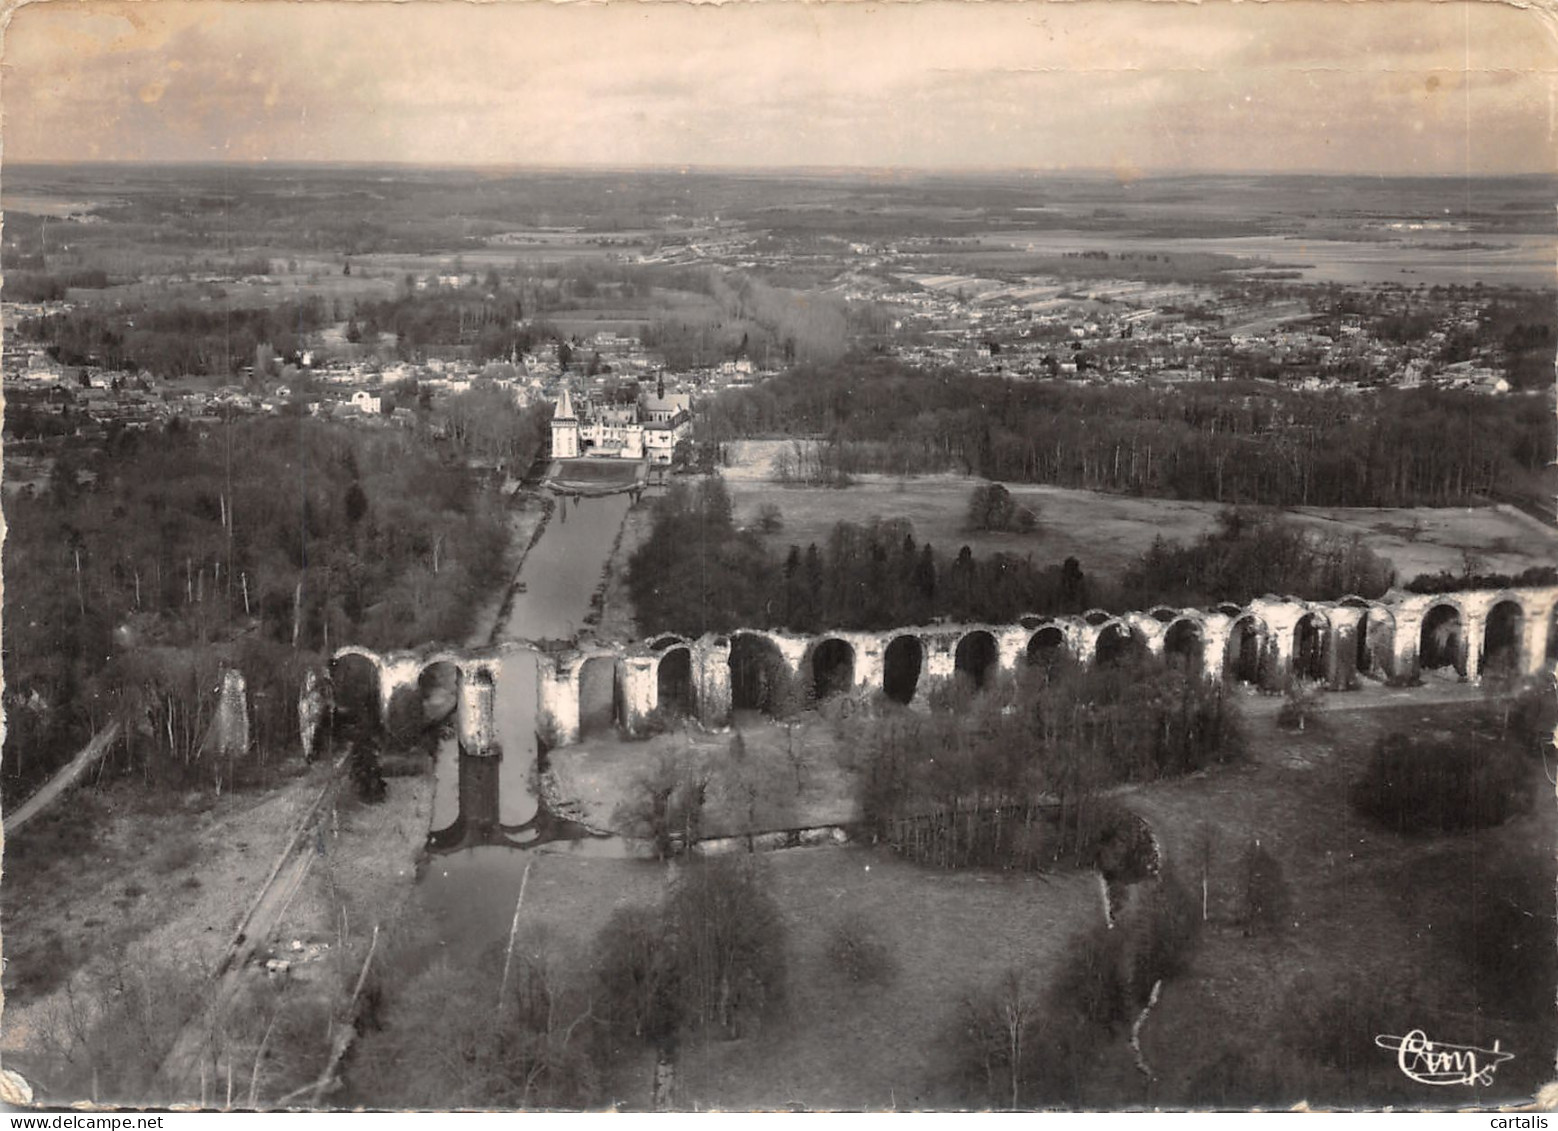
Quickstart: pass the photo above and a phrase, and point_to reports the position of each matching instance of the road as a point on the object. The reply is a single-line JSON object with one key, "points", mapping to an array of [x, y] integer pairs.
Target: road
{"points": [[180, 1079]]}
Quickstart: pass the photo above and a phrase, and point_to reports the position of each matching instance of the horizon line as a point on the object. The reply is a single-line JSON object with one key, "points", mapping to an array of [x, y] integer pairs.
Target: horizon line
{"points": [[676, 167]]}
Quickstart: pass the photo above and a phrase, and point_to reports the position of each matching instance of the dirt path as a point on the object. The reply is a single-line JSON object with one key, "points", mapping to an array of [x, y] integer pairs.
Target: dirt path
{"points": [[179, 1076]]}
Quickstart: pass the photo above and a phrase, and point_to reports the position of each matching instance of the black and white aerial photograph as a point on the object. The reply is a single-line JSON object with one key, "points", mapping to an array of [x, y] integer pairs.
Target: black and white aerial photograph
{"points": [[838, 556]]}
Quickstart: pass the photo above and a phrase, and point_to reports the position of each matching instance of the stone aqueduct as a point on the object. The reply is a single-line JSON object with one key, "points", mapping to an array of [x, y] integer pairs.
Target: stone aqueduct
{"points": [[1269, 641]]}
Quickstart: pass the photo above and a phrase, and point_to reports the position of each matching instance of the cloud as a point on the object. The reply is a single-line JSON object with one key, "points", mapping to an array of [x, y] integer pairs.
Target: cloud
{"points": [[1290, 84]]}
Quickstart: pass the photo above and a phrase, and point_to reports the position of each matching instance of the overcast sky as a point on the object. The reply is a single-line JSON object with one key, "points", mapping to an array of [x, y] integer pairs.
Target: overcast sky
{"points": [[1393, 86]]}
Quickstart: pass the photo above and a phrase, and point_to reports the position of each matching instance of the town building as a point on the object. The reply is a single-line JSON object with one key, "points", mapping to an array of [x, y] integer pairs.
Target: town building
{"points": [[649, 429]]}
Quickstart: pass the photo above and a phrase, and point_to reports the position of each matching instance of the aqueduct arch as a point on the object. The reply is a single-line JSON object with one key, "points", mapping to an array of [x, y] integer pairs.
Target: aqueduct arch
{"points": [[758, 674], [1247, 645], [832, 668], [1503, 639], [674, 688], [1184, 645], [599, 700], [1311, 647], [975, 657], [902, 662], [354, 676], [1263, 643], [1047, 647], [1375, 642], [1442, 640], [1117, 644]]}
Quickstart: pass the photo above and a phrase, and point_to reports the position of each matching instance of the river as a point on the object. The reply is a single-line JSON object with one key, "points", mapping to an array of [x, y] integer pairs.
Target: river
{"points": [[485, 810]]}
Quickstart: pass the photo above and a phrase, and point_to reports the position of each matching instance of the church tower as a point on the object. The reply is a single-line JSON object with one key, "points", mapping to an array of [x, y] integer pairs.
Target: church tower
{"points": [[565, 429]]}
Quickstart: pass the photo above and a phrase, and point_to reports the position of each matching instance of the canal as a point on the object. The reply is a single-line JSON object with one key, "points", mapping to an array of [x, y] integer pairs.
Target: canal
{"points": [[486, 811]]}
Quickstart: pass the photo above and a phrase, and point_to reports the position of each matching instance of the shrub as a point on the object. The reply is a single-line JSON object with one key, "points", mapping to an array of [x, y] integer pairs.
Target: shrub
{"points": [[366, 772], [1298, 707], [856, 949], [770, 519], [1172, 929], [1440, 784], [660, 721], [1091, 984], [1265, 901]]}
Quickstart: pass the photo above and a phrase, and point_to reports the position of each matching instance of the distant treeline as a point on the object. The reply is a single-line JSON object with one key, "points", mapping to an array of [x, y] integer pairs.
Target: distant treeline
{"points": [[1230, 442], [697, 572], [39, 286], [176, 341], [276, 540]]}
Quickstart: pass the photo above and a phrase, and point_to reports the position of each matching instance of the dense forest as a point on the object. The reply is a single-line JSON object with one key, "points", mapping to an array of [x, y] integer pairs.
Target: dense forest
{"points": [[1229, 442], [142, 567], [698, 572]]}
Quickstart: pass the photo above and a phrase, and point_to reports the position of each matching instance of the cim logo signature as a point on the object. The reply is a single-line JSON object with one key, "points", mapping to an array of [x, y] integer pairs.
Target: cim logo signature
{"points": [[1441, 1063]]}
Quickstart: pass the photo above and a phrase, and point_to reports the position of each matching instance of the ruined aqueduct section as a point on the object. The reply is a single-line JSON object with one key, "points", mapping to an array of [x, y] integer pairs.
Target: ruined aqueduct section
{"points": [[1268, 642]]}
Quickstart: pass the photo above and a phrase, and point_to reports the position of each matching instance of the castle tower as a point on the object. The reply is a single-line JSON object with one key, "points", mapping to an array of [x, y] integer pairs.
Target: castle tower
{"points": [[565, 429]]}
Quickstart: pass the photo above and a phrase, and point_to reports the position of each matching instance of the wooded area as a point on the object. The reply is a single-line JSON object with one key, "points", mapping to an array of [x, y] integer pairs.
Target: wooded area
{"points": [[697, 572], [264, 542], [1236, 442]]}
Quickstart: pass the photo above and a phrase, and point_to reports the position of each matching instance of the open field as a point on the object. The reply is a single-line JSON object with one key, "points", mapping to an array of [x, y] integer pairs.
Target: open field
{"points": [[1106, 533], [1365, 902], [1369, 909], [847, 1047], [833, 1044]]}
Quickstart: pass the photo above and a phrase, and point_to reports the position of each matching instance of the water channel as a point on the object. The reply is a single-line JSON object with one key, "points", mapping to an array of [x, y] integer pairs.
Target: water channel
{"points": [[486, 810]]}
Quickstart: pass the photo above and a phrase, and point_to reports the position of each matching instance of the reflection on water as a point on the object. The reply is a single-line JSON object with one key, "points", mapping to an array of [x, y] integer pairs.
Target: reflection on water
{"points": [[486, 807], [477, 823]]}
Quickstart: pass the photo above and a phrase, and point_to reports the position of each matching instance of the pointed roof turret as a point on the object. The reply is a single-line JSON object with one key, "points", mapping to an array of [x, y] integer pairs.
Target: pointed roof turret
{"points": [[564, 407]]}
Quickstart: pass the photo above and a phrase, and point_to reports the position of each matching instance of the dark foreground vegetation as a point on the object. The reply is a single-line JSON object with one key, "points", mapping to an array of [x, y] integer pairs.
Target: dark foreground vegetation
{"points": [[565, 1029], [1229, 442], [146, 567], [697, 572], [1017, 781], [1444, 783]]}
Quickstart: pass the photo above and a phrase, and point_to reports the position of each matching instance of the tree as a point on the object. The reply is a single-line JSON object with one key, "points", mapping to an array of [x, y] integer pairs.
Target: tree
{"points": [[1264, 891], [665, 805], [356, 503], [366, 771], [770, 519], [1000, 1024], [639, 975], [730, 934], [990, 507]]}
